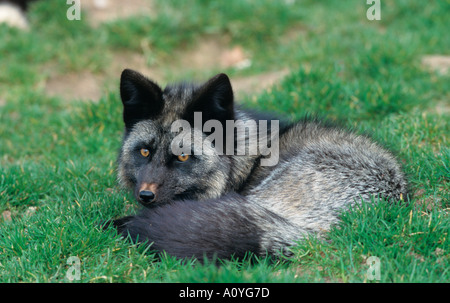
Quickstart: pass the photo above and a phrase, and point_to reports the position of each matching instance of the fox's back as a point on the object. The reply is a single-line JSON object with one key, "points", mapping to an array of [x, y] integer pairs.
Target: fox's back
{"points": [[320, 170]]}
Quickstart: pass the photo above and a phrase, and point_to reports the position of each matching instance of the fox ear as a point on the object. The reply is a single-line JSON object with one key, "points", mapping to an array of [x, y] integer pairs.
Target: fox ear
{"points": [[215, 99], [141, 98]]}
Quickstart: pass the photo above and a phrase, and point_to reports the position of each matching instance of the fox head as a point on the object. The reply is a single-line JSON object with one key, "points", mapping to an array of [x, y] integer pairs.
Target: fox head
{"points": [[146, 161]]}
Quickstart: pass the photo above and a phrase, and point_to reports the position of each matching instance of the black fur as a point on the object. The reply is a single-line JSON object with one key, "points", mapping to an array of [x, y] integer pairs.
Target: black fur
{"points": [[214, 99], [215, 228], [133, 89]]}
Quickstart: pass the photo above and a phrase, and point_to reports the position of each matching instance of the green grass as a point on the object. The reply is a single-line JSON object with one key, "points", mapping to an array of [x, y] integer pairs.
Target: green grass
{"points": [[57, 158]]}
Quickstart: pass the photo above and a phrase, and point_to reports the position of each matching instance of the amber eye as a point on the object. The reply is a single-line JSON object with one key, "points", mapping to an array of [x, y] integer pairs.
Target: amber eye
{"points": [[145, 152], [183, 157]]}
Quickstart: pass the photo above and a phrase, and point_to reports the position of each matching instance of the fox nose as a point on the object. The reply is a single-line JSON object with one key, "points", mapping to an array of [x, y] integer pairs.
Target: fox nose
{"points": [[146, 196]]}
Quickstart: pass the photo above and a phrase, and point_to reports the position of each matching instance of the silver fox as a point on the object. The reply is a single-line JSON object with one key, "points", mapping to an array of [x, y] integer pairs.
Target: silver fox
{"points": [[221, 205]]}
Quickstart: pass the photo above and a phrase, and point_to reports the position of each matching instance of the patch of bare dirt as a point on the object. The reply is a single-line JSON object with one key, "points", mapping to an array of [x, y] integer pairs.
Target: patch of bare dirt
{"points": [[6, 216], [442, 108], [211, 53], [207, 55], [83, 85], [439, 63], [257, 83], [99, 11]]}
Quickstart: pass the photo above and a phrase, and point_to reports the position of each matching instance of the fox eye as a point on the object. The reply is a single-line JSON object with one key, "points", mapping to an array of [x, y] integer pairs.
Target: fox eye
{"points": [[183, 157], [145, 152]]}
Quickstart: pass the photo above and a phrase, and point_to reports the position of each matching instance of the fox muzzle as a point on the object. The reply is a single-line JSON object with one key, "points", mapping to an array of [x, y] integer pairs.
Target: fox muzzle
{"points": [[147, 193]]}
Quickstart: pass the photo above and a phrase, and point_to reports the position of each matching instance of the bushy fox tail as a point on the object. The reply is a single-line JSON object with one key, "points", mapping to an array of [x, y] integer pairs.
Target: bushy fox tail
{"points": [[224, 227]]}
